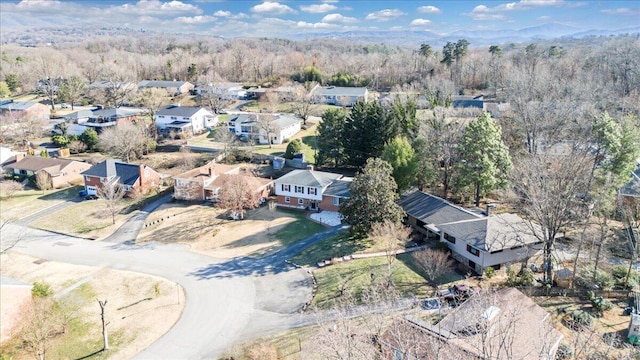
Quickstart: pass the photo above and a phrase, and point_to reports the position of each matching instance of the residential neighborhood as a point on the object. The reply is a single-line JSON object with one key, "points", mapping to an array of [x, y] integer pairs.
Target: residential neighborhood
{"points": [[330, 180]]}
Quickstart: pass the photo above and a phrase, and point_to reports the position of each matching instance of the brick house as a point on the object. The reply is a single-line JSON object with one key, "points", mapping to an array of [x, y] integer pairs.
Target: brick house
{"points": [[131, 177], [311, 190], [60, 172], [24, 109]]}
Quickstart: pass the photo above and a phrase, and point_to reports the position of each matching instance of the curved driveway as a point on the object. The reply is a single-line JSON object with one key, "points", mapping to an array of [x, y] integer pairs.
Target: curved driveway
{"points": [[227, 301]]}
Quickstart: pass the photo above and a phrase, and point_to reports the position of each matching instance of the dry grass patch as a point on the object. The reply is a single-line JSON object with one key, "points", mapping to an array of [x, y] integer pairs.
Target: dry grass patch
{"points": [[89, 218], [140, 309]]}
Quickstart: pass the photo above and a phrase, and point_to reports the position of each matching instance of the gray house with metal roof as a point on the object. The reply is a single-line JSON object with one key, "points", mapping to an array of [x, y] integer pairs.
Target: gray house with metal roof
{"points": [[476, 240], [336, 95]]}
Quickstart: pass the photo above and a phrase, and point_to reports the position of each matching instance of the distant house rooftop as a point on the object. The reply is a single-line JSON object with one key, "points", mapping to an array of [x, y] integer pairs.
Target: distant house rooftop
{"points": [[160, 84], [339, 91], [10, 105], [177, 110]]}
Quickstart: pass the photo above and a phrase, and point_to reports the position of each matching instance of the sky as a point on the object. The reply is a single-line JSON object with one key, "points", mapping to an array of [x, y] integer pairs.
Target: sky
{"points": [[232, 18]]}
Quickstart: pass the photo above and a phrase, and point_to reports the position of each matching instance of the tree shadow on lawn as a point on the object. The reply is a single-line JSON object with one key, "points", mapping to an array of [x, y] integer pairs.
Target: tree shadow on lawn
{"points": [[451, 276], [241, 267]]}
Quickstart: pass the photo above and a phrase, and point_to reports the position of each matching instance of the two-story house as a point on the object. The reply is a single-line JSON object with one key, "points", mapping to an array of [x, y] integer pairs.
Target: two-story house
{"points": [[476, 240], [308, 189], [187, 119], [196, 184], [103, 118], [131, 177]]}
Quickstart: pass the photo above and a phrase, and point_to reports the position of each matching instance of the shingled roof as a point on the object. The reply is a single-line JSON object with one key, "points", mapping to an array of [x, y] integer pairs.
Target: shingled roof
{"points": [[433, 210], [128, 173], [177, 110], [35, 163], [308, 178]]}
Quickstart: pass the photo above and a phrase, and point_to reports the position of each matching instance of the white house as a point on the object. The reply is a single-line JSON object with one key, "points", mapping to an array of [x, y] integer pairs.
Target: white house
{"points": [[281, 128], [336, 95], [172, 87], [244, 126], [227, 91], [184, 118], [476, 240]]}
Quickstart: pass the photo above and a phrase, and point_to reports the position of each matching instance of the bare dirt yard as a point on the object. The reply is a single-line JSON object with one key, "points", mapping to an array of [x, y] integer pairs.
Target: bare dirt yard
{"points": [[207, 231], [140, 308]]}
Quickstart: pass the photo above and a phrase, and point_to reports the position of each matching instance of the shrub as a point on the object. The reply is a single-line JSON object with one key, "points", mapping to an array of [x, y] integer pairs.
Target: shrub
{"points": [[564, 352], [603, 280], [41, 289], [489, 272], [579, 320], [294, 147], [512, 278], [527, 278], [440, 246], [601, 304]]}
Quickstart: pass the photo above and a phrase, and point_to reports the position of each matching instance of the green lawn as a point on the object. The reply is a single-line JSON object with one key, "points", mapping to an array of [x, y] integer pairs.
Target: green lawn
{"points": [[356, 275], [336, 246], [297, 230]]}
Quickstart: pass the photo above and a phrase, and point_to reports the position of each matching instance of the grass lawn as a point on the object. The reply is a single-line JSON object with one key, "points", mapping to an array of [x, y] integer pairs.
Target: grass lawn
{"points": [[297, 230], [28, 202], [339, 245], [355, 275], [89, 218]]}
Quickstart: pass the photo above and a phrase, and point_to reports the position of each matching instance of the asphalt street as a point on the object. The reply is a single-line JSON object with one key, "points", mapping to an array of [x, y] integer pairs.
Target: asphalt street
{"points": [[227, 301]]}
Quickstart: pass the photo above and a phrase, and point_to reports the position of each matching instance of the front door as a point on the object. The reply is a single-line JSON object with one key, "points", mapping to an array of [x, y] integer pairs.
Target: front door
{"points": [[313, 205]]}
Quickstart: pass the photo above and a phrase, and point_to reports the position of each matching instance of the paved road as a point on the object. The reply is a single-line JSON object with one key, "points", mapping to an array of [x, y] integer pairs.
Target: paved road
{"points": [[227, 301], [128, 232]]}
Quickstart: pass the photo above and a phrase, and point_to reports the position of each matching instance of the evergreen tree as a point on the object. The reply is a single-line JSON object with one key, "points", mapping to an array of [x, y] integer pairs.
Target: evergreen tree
{"points": [[367, 129], [402, 158], [404, 114], [485, 160], [90, 139], [330, 135], [372, 198]]}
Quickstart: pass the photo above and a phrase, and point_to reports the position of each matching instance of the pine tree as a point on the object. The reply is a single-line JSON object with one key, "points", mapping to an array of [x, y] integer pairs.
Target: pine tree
{"points": [[330, 135]]}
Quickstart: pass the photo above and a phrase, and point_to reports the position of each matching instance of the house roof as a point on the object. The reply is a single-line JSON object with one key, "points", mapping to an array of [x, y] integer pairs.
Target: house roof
{"points": [[307, 177], [253, 182], [35, 163], [283, 121], [505, 313], [632, 188], [17, 105], [339, 188], [433, 210], [128, 173], [113, 113], [80, 114], [339, 91], [492, 233], [202, 173], [177, 110], [244, 118], [161, 84]]}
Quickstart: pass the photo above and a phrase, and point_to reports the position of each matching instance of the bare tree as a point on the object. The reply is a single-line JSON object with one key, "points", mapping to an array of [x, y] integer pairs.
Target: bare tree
{"points": [[266, 126], [433, 263], [237, 194], [9, 188], [112, 193], [105, 334], [125, 141], [153, 99], [41, 322], [228, 139], [303, 104], [391, 235], [43, 181]]}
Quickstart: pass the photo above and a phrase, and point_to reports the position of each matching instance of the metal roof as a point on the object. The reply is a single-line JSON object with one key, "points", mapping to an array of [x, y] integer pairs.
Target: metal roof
{"points": [[338, 91], [161, 84]]}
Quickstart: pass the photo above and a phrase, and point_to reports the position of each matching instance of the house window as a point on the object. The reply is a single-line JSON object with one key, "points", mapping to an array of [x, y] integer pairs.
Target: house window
{"points": [[86, 178], [300, 201], [174, 118], [299, 189], [287, 199], [312, 191], [449, 238], [336, 201], [473, 250], [286, 187]]}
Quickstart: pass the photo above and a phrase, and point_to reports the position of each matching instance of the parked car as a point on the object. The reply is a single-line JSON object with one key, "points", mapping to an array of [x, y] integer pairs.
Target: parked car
{"points": [[91, 197], [64, 106], [457, 294], [82, 193]]}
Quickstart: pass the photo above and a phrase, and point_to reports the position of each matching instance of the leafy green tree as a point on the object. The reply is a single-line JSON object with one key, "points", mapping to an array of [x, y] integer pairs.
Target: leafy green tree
{"points": [[372, 198], [192, 71], [426, 50], [330, 135], [72, 89], [485, 161], [367, 129], [13, 81], [404, 114], [90, 139], [60, 141], [448, 53], [461, 49], [4, 89], [294, 147], [495, 50], [402, 158]]}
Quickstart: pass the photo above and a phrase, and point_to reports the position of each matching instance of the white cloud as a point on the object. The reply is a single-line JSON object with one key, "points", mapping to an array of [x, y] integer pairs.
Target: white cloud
{"points": [[338, 19], [198, 19], [517, 6], [384, 15], [420, 22], [272, 8], [483, 13], [313, 26], [620, 11], [329, 1], [429, 9], [222, 13], [153, 8], [318, 8], [544, 18]]}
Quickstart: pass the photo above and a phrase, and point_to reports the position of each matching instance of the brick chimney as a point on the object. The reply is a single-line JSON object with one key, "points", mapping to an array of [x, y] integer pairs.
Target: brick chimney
{"points": [[141, 177]]}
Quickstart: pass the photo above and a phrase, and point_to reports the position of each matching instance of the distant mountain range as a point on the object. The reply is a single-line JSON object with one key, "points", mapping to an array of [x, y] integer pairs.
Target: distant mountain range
{"points": [[411, 39], [475, 37]]}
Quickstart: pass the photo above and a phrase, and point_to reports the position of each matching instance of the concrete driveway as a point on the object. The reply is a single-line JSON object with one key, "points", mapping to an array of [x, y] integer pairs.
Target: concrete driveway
{"points": [[227, 301]]}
